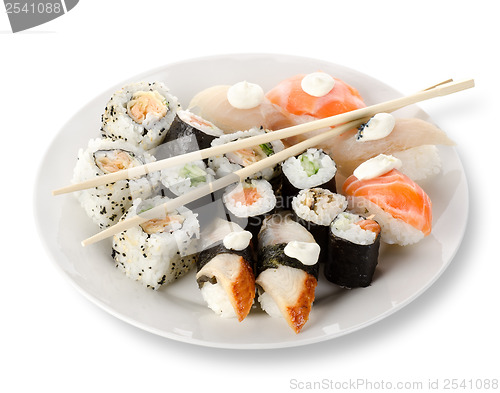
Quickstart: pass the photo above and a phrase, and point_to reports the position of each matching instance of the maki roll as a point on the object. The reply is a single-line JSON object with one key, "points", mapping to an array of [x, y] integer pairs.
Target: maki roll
{"points": [[248, 201], [107, 203], [313, 168], [185, 178], [353, 250], [225, 270], [233, 161], [160, 250], [140, 113], [188, 124], [315, 208], [287, 269]]}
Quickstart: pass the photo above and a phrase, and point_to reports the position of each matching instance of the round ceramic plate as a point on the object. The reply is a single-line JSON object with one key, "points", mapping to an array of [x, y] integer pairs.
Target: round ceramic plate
{"points": [[177, 311]]}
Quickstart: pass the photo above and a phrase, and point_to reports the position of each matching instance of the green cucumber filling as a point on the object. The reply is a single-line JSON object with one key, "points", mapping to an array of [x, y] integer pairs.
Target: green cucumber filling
{"points": [[194, 173], [267, 149], [310, 167]]}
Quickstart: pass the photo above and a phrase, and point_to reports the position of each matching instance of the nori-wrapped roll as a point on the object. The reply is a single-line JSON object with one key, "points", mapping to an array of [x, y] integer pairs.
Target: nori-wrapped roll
{"points": [[315, 209], [311, 169], [353, 251], [187, 125]]}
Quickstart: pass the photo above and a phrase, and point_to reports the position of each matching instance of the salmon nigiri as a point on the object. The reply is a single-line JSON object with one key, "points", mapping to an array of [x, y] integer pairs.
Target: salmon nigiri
{"points": [[401, 207], [291, 95]]}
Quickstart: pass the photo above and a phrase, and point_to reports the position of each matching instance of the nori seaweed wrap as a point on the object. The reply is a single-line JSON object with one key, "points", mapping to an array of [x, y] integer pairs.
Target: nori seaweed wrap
{"points": [[353, 251]]}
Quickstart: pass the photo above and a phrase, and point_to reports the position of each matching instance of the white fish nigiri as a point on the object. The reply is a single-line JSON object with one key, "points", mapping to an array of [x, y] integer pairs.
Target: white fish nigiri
{"points": [[348, 153], [213, 105]]}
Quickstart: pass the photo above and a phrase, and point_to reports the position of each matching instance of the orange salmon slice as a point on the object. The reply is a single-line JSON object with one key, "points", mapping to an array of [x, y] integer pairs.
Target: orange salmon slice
{"points": [[397, 195]]}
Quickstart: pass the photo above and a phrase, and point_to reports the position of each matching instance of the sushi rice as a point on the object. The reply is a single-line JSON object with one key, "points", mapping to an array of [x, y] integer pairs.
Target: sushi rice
{"points": [[250, 198], [345, 227], [318, 205]]}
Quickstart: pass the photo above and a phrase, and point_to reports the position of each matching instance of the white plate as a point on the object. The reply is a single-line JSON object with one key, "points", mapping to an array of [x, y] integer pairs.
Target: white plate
{"points": [[178, 311]]}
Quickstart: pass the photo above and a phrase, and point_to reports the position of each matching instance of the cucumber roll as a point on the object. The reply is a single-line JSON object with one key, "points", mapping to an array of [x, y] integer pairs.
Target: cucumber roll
{"points": [[353, 250], [233, 161], [140, 113], [107, 203], [186, 125], [249, 201], [313, 168], [225, 270], [287, 269], [185, 178], [315, 208], [160, 250]]}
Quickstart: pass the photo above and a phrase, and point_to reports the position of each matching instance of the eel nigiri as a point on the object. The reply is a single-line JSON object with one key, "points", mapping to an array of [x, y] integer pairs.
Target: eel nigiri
{"points": [[401, 207], [286, 283], [225, 270]]}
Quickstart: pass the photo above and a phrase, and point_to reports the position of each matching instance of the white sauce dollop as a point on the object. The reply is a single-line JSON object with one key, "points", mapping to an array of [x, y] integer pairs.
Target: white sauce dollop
{"points": [[307, 253], [244, 95], [378, 127], [237, 240], [377, 166], [317, 84]]}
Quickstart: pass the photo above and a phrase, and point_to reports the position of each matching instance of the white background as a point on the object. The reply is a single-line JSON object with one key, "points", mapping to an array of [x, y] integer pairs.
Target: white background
{"points": [[52, 338]]}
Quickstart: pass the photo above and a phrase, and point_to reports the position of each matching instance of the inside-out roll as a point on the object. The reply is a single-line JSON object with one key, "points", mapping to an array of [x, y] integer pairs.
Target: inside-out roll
{"points": [[160, 250], [140, 113], [105, 204]]}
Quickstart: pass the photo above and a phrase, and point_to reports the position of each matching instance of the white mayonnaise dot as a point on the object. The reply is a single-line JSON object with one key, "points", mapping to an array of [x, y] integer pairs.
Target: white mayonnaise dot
{"points": [[237, 240], [244, 95], [317, 84], [377, 166], [378, 127], [307, 253]]}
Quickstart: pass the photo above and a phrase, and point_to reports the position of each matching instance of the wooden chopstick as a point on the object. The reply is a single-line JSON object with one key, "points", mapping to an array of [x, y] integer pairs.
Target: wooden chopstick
{"points": [[240, 175], [441, 89]]}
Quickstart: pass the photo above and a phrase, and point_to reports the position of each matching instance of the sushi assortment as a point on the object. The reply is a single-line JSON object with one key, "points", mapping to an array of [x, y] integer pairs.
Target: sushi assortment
{"points": [[264, 243]]}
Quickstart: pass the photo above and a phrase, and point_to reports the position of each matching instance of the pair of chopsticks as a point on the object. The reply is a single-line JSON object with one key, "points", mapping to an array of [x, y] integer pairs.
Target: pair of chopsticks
{"points": [[348, 121]]}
